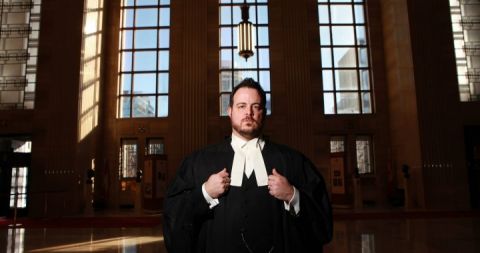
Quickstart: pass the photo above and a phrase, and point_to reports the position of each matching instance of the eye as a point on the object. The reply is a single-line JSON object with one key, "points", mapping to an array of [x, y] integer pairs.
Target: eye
{"points": [[256, 107]]}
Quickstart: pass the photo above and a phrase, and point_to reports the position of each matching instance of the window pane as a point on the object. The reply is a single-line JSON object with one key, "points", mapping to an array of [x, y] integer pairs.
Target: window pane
{"points": [[146, 39], [264, 58], [124, 107], [252, 14], [226, 81], [337, 144], [343, 35], [346, 79], [129, 2], [163, 60], [127, 39], [361, 36], [238, 76], [347, 103], [344, 57], [146, 17], [262, 14], [366, 102], [163, 38], [263, 36], [268, 104], [144, 83], [327, 76], [225, 58], [237, 14], [235, 36], [240, 62], [162, 106], [359, 18], [324, 35], [145, 60], [129, 156], [143, 106], [126, 61], [341, 14], [126, 82], [224, 101], [364, 156], [164, 16], [328, 103], [147, 2], [363, 57], [156, 146], [225, 36], [225, 15], [364, 79], [163, 83], [128, 18], [323, 16], [265, 80], [326, 57]]}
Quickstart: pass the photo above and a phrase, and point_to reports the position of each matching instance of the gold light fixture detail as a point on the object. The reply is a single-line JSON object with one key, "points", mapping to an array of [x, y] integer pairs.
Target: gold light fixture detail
{"points": [[245, 31]]}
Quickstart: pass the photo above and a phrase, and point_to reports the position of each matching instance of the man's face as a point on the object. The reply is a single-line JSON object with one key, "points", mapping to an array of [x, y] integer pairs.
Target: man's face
{"points": [[246, 113]]}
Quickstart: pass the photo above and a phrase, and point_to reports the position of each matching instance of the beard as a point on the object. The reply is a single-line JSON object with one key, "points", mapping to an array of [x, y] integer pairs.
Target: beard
{"points": [[248, 128]]}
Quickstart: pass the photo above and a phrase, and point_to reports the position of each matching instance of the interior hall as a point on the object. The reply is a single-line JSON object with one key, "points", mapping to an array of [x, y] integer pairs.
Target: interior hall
{"points": [[101, 100]]}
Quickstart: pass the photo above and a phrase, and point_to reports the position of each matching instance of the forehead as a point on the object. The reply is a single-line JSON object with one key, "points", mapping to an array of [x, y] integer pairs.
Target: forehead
{"points": [[246, 95]]}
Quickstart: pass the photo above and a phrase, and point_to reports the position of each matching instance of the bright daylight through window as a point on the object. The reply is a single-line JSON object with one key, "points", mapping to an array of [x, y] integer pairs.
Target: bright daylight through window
{"points": [[234, 68], [143, 81], [344, 54]]}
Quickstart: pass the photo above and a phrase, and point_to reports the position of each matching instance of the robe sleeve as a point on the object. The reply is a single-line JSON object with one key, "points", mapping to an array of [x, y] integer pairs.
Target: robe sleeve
{"points": [[184, 209], [312, 227]]}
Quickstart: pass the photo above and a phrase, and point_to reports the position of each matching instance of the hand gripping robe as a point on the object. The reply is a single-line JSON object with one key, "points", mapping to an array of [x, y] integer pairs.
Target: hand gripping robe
{"points": [[247, 219]]}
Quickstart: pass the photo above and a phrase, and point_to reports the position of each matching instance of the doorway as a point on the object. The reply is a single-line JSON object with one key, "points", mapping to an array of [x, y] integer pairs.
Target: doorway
{"points": [[15, 160], [472, 150]]}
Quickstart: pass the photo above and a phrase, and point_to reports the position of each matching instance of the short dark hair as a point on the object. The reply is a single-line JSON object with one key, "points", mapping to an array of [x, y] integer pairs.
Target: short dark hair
{"points": [[252, 84]]}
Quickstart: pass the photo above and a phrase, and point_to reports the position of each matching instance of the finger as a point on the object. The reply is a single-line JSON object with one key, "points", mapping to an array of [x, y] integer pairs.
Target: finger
{"points": [[274, 171]]}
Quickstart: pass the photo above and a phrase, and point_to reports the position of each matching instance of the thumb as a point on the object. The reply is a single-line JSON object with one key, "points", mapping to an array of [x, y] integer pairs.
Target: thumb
{"points": [[223, 172], [274, 172]]}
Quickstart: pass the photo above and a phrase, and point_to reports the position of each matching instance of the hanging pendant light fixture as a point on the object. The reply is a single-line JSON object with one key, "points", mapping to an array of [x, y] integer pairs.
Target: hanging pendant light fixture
{"points": [[245, 40]]}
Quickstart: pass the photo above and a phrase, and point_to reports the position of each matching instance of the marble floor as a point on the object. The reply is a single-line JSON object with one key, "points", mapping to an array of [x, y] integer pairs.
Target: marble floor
{"points": [[372, 235]]}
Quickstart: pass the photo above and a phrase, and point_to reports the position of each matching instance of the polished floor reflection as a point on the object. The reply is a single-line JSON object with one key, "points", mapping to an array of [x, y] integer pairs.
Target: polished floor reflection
{"points": [[397, 235], [122, 240]]}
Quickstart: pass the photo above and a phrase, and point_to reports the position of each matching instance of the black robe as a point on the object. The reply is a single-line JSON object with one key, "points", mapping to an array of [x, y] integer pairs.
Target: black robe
{"points": [[191, 226]]}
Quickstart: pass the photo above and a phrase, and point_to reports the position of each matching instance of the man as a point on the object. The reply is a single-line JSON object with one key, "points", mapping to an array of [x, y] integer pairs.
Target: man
{"points": [[247, 194]]}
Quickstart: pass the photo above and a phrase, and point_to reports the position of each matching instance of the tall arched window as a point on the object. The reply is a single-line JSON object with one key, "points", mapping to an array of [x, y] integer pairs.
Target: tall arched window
{"points": [[344, 55], [234, 68], [144, 59]]}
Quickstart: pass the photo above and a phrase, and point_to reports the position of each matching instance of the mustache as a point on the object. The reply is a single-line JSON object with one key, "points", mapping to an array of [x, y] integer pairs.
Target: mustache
{"points": [[248, 119]]}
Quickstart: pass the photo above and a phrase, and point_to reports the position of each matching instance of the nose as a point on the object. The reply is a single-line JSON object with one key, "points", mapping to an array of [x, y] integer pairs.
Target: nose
{"points": [[249, 110]]}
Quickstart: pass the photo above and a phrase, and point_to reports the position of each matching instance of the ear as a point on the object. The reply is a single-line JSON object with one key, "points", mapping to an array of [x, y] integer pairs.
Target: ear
{"points": [[229, 111]]}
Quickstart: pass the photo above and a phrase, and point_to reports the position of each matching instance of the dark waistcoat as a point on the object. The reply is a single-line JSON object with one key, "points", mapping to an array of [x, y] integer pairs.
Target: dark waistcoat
{"points": [[249, 211]]}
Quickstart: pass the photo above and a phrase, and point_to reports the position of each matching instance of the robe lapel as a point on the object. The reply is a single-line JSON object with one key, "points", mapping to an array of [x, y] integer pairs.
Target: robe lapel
{"points": [[273, 160]]}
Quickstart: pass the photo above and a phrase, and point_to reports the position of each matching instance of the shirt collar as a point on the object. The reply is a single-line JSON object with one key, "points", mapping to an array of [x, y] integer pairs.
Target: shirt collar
{"points": [[239, 142]]}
